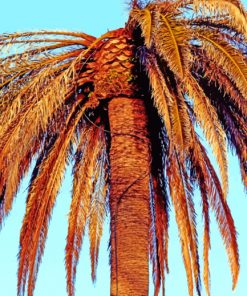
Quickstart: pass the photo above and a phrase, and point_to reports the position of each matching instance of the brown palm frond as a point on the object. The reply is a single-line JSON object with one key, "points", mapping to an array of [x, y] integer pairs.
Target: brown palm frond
{"points": [[203, 185], [13, 36], [215, 197], [161, 94], [234, 10], [159, 205], [206, 238], [192, 216], [41, 200], [171, 42], [26, 127], [153, 249], [97, 211], [181, 121], [171, 107], [145, 20], [161, 223], [83, 187], [216, 77], [227, 57], [230, 106], [176, 120], [213, 131], [185, 221]]}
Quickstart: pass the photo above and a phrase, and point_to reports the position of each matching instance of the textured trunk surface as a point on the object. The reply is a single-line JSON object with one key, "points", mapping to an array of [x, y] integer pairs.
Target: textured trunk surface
{"points": [[129, 197]]}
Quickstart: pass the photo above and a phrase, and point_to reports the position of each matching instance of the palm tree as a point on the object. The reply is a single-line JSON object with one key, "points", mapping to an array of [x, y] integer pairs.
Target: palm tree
{"points": [[126, 109]]}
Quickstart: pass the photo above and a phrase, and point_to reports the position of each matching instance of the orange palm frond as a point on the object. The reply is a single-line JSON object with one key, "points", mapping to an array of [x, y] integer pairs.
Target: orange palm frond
{"points": [[171, 41], [13, 36], [181, 123], [41, 200], [83, 187], [208, 119], [171, 107], [215, 75], [234, 10], [185, 221], [233, 122], [161, 94], [161, 234], [227, 57], [97, 211], [144, 19], [215, 196]]}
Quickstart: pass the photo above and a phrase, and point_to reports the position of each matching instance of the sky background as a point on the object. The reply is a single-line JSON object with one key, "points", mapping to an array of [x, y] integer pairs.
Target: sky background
{"points": [[96, 17]]}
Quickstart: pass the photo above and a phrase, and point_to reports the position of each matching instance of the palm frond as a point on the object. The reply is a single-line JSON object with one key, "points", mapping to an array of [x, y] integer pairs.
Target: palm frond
{"points": [[233, 10], [41, 200], [171, 42], [144, 19], [161, 237], [185, 221], [215, 197], [216, 77], [227, 57], [83, 187], [208, 119], [161, 94], [97, 211]]}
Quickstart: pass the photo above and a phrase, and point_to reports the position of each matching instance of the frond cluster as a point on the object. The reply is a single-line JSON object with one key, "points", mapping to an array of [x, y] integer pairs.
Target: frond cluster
{"points": [[194, 56]]}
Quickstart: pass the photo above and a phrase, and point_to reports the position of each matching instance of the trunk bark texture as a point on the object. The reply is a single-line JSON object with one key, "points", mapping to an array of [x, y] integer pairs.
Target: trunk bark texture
{"points": [[129, 197]]}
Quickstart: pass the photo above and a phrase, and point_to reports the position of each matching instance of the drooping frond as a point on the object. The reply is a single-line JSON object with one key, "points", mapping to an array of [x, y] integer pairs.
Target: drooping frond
{"points": [[34, 87], [154, 248], [231, 114], [161, 235], [159, 205], [40, 202], [85, 183], [181, 123], [97, 211], [184, 221], [215, 77], [203, 183], [208, 119], [171, 42], [227, 57], [161, 94], [171, 107], [213, 193]]}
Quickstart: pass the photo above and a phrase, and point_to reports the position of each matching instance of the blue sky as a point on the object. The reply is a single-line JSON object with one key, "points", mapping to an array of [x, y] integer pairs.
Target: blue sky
{"points": [[96, 17]]}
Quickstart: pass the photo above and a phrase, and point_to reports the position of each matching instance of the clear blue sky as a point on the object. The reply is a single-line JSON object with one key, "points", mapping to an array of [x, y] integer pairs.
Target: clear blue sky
{"points": [[95, 17]]}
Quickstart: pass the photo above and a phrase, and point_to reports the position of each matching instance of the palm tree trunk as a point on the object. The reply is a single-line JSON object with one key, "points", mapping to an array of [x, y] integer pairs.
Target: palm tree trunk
{"points": [[129, 197]]}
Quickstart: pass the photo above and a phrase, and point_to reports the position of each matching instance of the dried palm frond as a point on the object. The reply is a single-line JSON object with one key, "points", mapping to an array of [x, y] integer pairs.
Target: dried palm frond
{"points": [[216, 199], [161, 94], [41, 200], [234, 10], [171, 42], [208, 119], [227, 57], [144, 19], [87, 162], [179, 200]]}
